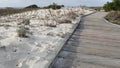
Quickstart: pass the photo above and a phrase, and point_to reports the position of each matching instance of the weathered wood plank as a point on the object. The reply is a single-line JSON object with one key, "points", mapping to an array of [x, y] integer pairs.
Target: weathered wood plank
{"points": [[95, 44]]}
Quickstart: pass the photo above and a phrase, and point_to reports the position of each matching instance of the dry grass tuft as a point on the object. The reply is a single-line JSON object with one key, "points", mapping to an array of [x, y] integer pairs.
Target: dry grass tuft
{"points": [[72, 15], [114, 17]]}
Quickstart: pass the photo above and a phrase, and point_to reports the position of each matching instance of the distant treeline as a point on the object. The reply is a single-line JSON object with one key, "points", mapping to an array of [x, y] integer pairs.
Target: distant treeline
{"points": [[53, 6], [112, 6]]}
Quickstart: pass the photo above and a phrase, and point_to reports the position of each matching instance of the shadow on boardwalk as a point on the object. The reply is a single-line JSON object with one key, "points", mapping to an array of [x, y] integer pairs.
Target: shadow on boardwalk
{"points": [[67, 57], [94, 44]]}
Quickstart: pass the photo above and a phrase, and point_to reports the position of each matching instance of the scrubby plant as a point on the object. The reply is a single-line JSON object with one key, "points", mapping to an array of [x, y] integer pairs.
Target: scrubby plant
{"points": [[54, 6], [25, 22], [22, 31], [72, 15], [64, 21], [50, 34], [51, 24], [68, 18], [61, 35], [113, 17]]}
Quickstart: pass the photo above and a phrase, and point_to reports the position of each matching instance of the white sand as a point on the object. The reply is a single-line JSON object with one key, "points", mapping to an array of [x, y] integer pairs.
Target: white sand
{"points": [[36, 50]]}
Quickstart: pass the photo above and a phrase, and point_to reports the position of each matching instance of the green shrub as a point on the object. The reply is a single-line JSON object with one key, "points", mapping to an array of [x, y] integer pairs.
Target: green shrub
{"points": [[114, 5], [54, 6]]}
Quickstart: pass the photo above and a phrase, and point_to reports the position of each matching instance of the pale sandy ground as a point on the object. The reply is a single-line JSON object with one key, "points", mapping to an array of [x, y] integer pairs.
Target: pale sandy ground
{"points": [[34, 51]]}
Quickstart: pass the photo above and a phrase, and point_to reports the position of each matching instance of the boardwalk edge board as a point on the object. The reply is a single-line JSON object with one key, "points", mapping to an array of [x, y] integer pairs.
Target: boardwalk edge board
{"points": [[52, 61]]}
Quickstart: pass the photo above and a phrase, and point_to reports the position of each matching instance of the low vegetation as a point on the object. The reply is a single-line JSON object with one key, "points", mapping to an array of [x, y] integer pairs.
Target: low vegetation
{"points": [[22, 31], [8, 11], [72, 15], [114, 11], [112, 6], [54, 6], [114, 17], [64, 21]]}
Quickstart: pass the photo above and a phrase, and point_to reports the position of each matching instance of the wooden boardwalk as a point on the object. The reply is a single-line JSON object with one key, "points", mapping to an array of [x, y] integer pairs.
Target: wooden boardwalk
{"points": [[95, 44]]}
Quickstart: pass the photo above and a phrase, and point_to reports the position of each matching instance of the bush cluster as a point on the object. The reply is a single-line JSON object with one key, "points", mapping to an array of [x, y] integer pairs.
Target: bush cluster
{"points": [[112, 6], [54, 6]]}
